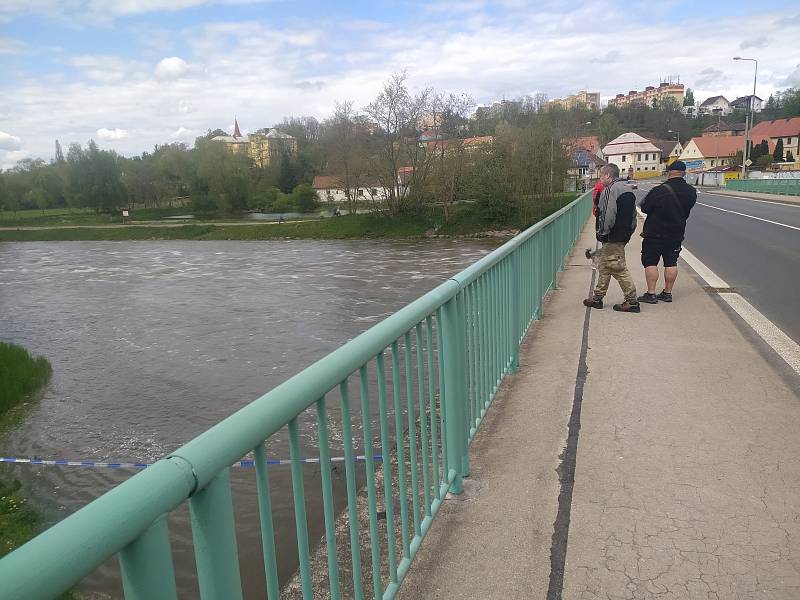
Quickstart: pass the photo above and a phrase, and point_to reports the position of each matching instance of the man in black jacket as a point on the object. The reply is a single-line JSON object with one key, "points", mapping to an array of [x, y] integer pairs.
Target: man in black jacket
{"points": [[667, 207], [615, 222]]}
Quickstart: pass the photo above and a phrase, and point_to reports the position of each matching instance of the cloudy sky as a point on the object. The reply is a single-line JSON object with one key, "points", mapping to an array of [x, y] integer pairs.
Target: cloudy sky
{"points": [[134, 73]]}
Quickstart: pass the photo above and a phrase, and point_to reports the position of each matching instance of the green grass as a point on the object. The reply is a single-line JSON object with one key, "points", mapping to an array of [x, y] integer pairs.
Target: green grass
{"points": [[82, 216], [18, 521], [466, 219], [20, 375]]}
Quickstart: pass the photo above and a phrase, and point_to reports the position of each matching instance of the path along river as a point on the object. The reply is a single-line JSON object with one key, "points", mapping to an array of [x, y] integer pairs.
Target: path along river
{"points": [[153, 342]]}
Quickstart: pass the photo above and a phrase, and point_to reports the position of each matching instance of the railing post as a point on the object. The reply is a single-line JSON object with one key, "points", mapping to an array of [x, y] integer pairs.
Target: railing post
{"points": [[146, 565], [454, 395], [515, 320]]}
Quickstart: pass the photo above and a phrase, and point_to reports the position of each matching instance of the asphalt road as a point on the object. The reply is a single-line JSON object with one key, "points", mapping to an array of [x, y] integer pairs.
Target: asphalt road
{"points": [[754, 246]]}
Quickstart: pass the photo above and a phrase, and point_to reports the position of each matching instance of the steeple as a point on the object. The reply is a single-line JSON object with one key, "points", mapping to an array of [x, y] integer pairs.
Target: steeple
{"points": [[236, 132]]}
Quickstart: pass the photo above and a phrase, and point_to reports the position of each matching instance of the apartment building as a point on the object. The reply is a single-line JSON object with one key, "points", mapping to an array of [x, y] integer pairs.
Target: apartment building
{"points": [[650, 95]]}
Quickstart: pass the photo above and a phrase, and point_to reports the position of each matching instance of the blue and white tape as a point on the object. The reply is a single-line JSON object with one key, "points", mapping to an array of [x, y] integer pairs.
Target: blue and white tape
{"points": [[91, 464]]}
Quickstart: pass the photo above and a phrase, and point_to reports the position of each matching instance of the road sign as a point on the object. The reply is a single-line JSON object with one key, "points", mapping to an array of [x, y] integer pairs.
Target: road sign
{"points": [[748, 162]]}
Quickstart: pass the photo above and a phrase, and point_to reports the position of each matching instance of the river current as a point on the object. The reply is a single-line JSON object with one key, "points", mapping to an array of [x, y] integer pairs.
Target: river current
{"points": [[152, 343]]}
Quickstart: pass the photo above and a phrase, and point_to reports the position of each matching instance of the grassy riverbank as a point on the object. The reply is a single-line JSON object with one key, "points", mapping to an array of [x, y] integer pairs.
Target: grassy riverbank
{"points": [[465, 220], [21, 376]]}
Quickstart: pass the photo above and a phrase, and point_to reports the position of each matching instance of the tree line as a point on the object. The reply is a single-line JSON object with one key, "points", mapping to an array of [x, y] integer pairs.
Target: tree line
{"points": [[409, 151]]}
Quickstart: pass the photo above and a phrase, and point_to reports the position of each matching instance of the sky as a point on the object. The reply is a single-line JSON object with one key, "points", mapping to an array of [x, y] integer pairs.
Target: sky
{"points": [[132, 74]]}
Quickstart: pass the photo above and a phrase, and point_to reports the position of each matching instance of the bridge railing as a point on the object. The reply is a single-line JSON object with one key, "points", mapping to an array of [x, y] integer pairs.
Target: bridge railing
{"points": [[434, 367], [789, 187]]}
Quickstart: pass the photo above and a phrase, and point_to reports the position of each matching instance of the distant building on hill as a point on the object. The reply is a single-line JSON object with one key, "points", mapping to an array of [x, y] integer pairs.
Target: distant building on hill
{"points": [[582, 99], [262, 146], [651, 95], [743, 103], [715, 105]]}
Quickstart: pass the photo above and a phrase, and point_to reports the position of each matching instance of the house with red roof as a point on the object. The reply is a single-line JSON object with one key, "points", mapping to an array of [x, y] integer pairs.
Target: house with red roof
{"points": [[711, 151], [787, 130]]}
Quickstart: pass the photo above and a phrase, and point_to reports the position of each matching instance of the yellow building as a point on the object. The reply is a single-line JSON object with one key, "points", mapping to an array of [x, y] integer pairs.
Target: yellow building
{"points": [[262, 147], [582, 99], [651, 95]]}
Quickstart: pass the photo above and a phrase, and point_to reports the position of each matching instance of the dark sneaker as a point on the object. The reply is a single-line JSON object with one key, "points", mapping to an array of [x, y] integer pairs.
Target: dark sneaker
{"points": [[648, 298], [588, 254], [593, 302], [664, 296], [632, 307]]}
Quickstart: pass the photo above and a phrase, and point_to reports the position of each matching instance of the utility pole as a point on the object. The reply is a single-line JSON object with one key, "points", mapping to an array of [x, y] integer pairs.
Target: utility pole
{"points": [[748, 124]]}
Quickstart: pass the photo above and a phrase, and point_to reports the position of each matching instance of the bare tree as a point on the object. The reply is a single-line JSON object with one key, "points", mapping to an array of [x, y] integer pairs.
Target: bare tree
{"points": [[400, 163], [344, 139]]}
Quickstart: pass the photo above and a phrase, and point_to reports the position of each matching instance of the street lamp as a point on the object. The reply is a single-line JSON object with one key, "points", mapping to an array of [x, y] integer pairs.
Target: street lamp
{"points": [[748, 125]]}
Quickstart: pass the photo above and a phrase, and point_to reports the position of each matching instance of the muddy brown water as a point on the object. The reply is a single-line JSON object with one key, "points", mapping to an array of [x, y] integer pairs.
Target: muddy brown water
{"points": [[152, 343]]}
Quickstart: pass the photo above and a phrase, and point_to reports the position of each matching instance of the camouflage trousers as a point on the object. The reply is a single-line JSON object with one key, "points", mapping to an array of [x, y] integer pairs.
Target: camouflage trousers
{"points": [[612, 264]]}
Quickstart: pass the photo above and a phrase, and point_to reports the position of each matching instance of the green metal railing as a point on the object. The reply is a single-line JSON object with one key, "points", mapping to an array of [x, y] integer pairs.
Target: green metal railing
{"points": [[434, 367], [789, 187]]}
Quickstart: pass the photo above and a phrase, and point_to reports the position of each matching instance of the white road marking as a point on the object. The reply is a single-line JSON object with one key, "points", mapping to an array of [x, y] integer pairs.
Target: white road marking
{"points": [[748, 216], [788, 203], [781, 343], [707, 274], [785, 346]]}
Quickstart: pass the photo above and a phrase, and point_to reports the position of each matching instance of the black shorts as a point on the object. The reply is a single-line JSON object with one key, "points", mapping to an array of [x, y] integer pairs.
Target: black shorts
{"points": [[654, 249]]}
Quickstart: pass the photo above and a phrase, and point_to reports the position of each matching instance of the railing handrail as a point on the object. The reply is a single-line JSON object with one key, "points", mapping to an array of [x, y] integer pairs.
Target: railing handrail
{"points": [[99, 530]]}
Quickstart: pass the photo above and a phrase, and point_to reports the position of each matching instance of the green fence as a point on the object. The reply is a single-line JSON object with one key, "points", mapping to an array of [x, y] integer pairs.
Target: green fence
{"points": [[411, 391], [789, 187]]}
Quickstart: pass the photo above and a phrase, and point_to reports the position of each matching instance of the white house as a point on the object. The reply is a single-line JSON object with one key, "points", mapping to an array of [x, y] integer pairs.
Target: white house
{"points": [[743, 103], [634, 155], [331, 189], [716, 105]]}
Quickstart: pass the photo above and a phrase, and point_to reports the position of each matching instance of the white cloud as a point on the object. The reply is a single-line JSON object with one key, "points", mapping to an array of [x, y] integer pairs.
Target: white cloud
{"points": [[262, 73], [181, 134], [9, 159], [171, 68], [111, 134], [9, 142], [757, 42], [108, 69]]}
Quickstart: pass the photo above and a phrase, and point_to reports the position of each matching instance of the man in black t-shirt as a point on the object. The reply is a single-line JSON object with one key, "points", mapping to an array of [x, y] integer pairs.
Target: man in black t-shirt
{"points": [[667, 207]]}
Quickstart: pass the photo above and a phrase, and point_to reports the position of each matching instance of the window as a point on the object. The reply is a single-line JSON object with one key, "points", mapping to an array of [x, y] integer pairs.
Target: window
{"points": [[374, 191], [712, 163], [361, 193], [623, 158], [638, 169], [638, 157]]}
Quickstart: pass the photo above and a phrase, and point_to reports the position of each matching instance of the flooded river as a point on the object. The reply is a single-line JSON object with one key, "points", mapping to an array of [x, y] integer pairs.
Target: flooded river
{"points": [[151, 343]]}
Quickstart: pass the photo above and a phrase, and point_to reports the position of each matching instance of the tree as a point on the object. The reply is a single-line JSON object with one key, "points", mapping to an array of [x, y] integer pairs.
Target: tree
{"points": [[223, 178], [287, 172], [777, 156], [447, 153], [764, 161], [397, 113], [345, 141], [688, 98], [608, 127], [305, 198], [59, 153]]}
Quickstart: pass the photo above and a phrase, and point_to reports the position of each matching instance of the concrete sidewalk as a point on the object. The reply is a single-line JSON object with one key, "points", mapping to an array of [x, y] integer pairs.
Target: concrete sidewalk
{"points": [[687, 468]]}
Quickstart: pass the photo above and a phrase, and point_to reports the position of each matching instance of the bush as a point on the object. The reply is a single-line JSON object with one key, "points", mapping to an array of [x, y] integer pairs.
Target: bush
{"points": [[305, 198]]}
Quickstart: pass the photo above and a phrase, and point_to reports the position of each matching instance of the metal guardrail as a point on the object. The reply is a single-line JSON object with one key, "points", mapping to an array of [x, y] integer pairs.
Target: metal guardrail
{"points": [[434, 367], [790, 187]]}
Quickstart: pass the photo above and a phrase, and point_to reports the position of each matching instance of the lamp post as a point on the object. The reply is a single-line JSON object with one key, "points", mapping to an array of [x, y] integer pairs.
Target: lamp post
{"points": [[748, 121]]}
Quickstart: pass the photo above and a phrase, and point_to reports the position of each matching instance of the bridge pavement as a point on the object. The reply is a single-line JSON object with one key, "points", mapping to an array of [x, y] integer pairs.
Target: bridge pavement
{"points": [[686, 455]]}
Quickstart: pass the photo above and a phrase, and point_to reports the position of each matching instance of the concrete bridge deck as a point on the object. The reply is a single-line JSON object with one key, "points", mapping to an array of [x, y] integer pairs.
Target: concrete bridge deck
{"points": [[682, 430]]}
